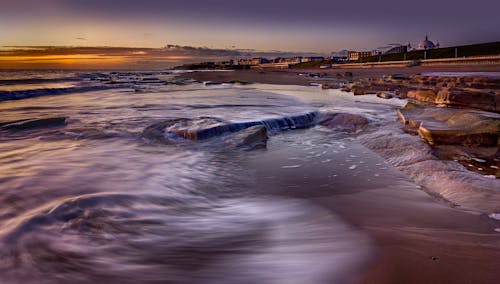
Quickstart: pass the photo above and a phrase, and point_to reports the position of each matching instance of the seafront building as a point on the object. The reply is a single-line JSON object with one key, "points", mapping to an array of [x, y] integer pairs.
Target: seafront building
{"points": [[357, 55], [426, 44]]}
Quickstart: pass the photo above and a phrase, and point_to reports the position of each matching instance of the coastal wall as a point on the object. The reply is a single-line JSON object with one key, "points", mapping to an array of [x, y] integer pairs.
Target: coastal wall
{"points": [[481, 60]]}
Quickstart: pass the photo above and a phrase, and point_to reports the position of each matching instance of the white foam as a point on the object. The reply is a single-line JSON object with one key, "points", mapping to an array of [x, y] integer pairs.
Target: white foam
{"points": [[495, 216], [291, 166], [353, 167]]}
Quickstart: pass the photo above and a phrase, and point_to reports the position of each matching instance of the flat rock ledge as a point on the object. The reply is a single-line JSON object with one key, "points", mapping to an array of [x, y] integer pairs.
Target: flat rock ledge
{"points": [[460, 92], [450, 126]]}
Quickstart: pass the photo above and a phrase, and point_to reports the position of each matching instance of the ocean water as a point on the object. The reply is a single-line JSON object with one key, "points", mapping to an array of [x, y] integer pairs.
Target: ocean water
{"points": [[96, 200]]}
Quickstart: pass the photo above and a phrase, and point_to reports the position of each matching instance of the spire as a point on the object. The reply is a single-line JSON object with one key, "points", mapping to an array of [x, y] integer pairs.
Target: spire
{"points": [[426, 38]]}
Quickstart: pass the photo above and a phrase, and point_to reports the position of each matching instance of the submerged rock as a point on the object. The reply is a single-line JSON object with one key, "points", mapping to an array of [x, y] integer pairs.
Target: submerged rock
{"points": [[239, 82], [33, 123], [251, 138], [207, 127], [343, 121], [210, 83]]}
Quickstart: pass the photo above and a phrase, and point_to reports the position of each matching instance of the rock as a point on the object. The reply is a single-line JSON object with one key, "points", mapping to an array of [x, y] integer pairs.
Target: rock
{"points": [[208, 127], [330, 85], [385, 95], [358, 92], [239, 82], [34, 123], [411, 121], [397, 77], [451, 126], [251, 138], [156, 131], [455, 97], [422, 95], [343, 121], [347, 74], [209, 83]]}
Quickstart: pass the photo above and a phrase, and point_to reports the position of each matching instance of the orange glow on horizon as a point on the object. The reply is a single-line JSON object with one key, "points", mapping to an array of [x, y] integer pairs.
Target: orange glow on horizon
{"points": [[87, 60]]}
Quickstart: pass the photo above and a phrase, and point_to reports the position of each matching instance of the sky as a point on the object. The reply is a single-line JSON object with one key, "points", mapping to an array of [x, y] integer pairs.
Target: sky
{"points": [[73, 33]]}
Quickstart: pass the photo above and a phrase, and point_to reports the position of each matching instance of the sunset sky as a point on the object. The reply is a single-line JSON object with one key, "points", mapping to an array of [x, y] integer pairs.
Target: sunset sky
{"points": [[137, 30]]}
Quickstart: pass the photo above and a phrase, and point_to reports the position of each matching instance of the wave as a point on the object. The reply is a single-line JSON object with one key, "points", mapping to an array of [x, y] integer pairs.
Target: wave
{"points": [[447, 179], [207, 127], [124, 238], [25, 94], [11, 82]]}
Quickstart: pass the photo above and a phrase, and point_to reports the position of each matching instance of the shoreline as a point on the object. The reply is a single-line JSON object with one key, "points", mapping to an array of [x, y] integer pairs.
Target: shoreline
{"points": [[292, 77], [431, 241], [414, 236]]}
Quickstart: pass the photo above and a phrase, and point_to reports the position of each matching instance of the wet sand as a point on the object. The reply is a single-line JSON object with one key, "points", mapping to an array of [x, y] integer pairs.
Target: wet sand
{"points": [[292, 77], [419, 238]]}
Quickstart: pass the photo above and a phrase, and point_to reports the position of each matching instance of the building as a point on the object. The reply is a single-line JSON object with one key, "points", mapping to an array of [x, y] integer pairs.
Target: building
{"points": [[426, 44], [253, 61], [312, 58], [398, 49], [357, 55], [338, 59]]}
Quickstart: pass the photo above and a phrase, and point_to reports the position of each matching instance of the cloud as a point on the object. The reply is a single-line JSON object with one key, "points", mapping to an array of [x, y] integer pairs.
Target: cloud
{"points": [[81, 38], [123, 57]]}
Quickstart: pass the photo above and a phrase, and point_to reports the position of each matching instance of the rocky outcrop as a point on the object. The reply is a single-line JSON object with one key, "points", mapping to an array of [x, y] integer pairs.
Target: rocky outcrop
{"points": [[33, 123], [451, 126], [440, 177], [464, 92], [485, 100]]}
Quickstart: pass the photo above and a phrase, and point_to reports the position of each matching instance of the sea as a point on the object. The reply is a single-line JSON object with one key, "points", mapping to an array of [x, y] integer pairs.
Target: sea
{"points": [[97, 200]]}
